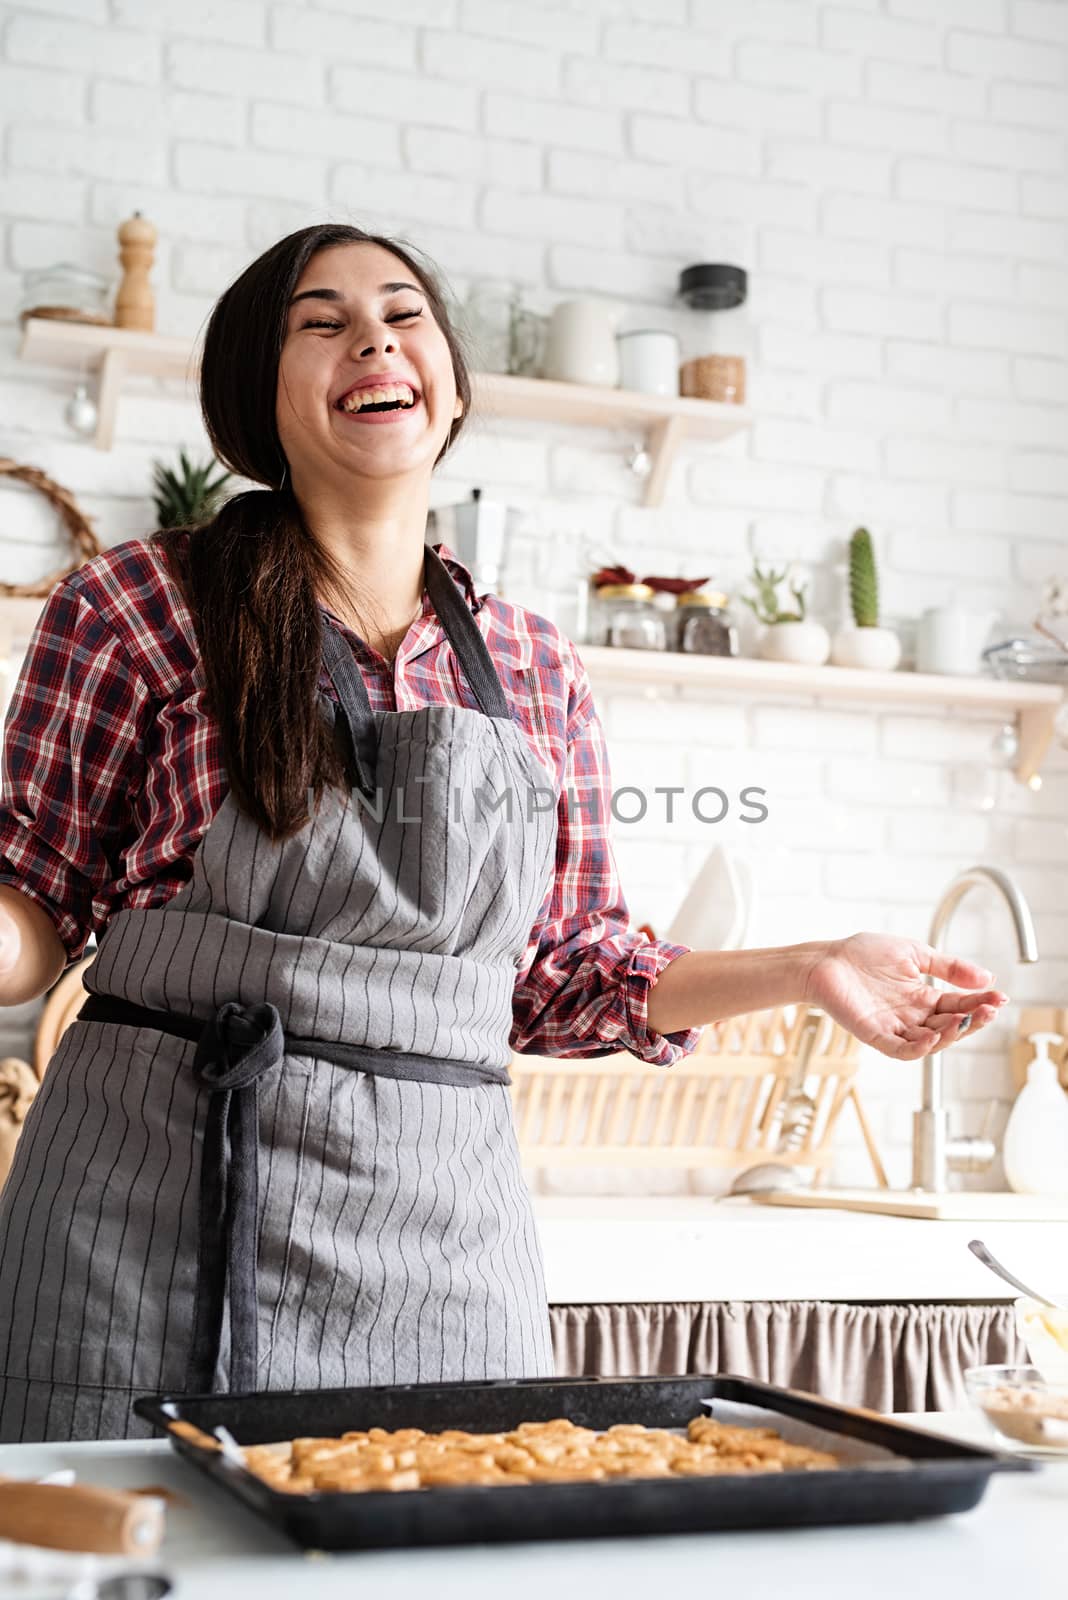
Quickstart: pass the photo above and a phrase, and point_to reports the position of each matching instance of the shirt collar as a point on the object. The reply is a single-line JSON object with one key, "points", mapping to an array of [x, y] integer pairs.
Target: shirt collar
{"points": [[457, 570], [428, 629], [463, 576]]}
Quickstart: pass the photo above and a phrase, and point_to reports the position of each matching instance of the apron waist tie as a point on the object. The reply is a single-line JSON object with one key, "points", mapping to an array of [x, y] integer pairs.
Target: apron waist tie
{"points": [[237, 1047]]}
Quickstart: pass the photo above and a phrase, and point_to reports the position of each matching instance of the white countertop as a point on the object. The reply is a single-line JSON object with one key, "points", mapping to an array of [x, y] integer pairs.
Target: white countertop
{"points": [[1014, 1542], [599, 1250]]}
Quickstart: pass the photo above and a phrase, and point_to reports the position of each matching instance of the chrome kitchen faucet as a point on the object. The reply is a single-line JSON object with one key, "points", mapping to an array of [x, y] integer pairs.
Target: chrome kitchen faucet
{"points": [[934, 1153]]}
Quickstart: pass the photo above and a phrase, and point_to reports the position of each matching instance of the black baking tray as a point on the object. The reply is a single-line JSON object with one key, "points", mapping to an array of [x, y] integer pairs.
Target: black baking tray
{"points": [[929, 1476]]}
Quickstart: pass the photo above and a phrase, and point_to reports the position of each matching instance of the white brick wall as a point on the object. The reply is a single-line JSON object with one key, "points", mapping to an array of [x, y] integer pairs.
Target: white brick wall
{"points": [[895, 179]]}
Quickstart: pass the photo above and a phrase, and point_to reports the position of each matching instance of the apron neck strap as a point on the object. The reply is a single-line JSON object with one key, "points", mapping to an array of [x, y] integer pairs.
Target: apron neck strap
{"points": [[354, 708], [462, 632], [465, 636]]}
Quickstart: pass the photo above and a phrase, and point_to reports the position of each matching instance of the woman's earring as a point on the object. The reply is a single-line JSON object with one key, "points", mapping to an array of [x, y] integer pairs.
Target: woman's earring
{"points": [[282, 484]]}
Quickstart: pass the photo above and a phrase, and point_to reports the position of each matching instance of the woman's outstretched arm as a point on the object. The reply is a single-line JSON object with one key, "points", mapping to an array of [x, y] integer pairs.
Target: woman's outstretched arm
{"points": [[874, 984]]}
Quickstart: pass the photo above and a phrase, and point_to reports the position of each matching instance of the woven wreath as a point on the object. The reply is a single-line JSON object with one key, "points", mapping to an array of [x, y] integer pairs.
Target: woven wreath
{"points": [[83, 539]]}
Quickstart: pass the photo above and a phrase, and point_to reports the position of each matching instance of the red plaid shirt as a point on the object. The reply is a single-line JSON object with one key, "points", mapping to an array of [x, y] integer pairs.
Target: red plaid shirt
{"points": [[112, 773]]}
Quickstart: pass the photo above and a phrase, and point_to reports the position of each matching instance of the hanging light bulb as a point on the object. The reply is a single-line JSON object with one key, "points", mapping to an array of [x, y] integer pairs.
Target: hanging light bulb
{"points": [[1005, 746], [639, 461], [81, 412]]}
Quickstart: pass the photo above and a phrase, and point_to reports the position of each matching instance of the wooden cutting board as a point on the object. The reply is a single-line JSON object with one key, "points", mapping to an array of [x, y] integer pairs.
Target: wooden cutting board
{"points": [[954, 1206]]}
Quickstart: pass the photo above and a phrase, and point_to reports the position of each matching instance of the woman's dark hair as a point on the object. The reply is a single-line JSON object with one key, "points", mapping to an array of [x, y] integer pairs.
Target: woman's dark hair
{"points": [[250, 575]]}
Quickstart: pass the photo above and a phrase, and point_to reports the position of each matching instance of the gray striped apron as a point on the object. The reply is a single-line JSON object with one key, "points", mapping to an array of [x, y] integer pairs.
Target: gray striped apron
{"points": [[276, 1148]]}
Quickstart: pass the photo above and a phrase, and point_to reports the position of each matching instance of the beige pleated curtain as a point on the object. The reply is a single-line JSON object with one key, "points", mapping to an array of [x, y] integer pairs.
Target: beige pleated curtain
{"points": [[888, 1357]]}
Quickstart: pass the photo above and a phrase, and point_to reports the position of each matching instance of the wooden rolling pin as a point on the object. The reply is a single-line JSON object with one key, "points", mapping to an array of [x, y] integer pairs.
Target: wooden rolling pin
{"points": [[76, 1517]]}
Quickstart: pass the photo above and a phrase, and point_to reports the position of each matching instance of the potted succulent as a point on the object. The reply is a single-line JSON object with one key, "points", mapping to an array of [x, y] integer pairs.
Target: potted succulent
{"points": [[865, 643], [788, 635], [190, 495]]}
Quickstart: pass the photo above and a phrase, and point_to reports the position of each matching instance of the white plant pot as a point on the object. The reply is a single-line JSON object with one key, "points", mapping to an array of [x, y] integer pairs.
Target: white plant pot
{"points": [[807, 643], [877, 649]]}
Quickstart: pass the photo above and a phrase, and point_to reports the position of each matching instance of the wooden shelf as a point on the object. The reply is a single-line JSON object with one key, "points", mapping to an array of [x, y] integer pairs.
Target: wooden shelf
{"points": [[663, 422], [1032, 706], [74, 344], [111, 353]]}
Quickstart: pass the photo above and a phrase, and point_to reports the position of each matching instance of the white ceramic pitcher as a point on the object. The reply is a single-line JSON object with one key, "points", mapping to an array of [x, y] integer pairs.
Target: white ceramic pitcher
{"points": [[949, 639], [581, 344]]}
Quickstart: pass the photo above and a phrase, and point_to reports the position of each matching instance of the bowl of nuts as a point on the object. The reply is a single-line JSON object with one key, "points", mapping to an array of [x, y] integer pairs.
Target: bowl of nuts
{"points": [[1023, 1408]]}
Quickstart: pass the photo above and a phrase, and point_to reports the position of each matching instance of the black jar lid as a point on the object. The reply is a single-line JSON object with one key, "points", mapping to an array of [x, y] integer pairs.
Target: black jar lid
{"points": [[712, 286]]}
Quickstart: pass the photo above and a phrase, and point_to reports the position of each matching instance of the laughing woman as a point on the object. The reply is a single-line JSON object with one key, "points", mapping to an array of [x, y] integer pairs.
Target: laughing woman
{"points": [[275, 1149]]}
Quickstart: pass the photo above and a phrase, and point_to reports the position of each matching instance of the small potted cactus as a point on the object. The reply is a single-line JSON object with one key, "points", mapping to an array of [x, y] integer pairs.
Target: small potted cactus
{"points": [[865, 643], [788, 635]]}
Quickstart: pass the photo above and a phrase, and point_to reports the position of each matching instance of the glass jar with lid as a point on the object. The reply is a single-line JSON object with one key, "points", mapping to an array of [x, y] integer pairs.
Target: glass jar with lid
{"points": [[703, 626], [628, 617], [713, 332], [65, 293]]}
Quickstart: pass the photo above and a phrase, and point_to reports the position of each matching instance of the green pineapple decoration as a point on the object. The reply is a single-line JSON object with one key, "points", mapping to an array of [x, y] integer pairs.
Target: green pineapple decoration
{"points": [[863, 580], [190, 496]]}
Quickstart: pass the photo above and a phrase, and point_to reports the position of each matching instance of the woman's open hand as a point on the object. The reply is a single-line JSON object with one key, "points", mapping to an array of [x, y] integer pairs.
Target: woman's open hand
{"points": [[875, 985]]}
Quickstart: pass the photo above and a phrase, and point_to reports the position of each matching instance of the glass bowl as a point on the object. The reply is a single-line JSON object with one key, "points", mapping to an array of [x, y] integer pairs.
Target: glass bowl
{"points": [[1022, 1408], [1026, 658]]}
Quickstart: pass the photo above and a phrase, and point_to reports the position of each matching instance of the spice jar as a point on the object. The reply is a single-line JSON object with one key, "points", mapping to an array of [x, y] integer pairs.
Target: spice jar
{"points": [[714, 332], [703, 626], [629, 620]]}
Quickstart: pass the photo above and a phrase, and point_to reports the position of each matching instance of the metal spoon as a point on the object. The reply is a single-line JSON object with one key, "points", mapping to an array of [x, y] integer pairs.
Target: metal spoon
{"points": [[979, 1249]]}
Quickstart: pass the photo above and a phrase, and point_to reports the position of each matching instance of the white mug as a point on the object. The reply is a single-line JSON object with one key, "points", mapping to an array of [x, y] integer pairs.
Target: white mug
{"points": [[649, 361], [949, 639], [581, 344]]}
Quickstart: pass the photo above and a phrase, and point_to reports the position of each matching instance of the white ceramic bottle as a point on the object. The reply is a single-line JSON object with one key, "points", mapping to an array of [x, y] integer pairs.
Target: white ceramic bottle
{"points": [[1035, 1149]]}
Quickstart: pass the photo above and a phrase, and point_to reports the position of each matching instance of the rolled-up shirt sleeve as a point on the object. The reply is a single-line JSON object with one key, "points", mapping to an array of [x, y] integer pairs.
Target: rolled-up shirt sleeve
{"points": [[73, 749], [584, 982]]}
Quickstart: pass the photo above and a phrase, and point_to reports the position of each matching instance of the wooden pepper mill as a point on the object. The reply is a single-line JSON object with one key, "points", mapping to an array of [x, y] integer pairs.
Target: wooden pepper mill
{"points": [[135, 303]]}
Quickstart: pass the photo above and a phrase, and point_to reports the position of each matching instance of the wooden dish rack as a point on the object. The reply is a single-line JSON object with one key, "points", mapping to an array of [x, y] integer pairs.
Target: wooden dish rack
{"points": [[719, 1107]]}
